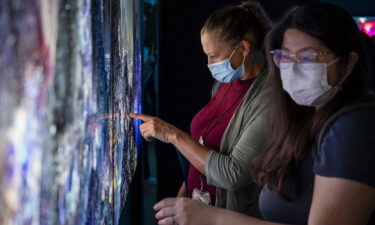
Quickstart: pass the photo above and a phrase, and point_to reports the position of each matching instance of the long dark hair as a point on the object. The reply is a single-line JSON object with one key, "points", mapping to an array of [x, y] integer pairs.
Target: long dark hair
{"points": [[295, 126], [246, 21]]}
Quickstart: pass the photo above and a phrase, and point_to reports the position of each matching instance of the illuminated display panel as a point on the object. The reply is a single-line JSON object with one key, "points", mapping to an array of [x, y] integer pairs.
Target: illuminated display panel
{"points": [[366, 24]]}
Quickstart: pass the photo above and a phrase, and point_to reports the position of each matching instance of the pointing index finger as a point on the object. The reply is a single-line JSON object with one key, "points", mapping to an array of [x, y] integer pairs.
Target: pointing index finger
{"points": [[142, 117]]}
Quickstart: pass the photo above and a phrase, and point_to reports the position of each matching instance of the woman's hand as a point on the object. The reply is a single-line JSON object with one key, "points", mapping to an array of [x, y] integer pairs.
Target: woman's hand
{"points": [[183, 211], [153, 127]]}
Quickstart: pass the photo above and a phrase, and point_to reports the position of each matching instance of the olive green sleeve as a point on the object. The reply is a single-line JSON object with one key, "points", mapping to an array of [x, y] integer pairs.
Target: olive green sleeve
{"points": [[233, 171]]}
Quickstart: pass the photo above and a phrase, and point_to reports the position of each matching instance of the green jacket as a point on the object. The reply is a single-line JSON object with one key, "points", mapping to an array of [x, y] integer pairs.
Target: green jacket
{"points": [[244, 137]]}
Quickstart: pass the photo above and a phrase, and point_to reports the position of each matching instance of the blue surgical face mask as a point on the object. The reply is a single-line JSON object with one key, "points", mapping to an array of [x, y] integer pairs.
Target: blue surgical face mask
{"points": [[223, 72]]}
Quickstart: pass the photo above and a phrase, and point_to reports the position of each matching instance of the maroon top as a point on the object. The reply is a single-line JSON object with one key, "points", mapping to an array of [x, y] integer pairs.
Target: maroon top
{"points": [[211, 122]]}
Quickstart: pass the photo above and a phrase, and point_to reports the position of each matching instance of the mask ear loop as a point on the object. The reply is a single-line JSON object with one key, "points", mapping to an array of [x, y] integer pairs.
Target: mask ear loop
{"points": [[243, 61], [333, 61], [234, 50], [338, 85]]}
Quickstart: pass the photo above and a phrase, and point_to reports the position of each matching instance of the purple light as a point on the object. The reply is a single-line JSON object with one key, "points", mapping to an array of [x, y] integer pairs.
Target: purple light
{"points": [[366, 24], [368, 28]]}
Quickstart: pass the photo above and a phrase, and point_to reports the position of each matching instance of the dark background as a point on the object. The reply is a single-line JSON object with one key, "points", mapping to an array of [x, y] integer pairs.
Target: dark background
{"points": [[184, 81]]}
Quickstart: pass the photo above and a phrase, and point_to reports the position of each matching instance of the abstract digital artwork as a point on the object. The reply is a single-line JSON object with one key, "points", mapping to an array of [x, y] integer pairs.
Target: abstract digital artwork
{"points": [[69, 76]]}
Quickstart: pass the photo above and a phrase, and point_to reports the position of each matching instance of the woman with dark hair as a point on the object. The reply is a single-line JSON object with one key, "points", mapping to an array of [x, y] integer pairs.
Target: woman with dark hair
{"points": [[319, 167], [230, 131]]}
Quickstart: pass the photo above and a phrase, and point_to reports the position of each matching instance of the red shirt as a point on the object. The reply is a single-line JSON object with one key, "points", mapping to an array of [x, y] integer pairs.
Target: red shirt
{"points": [[211, 122]]}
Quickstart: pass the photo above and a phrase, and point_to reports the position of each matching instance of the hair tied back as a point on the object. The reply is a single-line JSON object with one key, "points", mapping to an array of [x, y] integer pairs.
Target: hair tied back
{"points": [[244, 8]]}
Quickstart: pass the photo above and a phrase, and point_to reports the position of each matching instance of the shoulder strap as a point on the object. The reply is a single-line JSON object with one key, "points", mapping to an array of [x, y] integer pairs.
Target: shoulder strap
{"points": [[215, 88], [341, 112]]}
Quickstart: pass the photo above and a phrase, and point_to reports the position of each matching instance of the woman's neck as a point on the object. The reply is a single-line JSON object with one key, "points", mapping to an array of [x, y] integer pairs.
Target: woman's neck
{"points": [[253, 67]]}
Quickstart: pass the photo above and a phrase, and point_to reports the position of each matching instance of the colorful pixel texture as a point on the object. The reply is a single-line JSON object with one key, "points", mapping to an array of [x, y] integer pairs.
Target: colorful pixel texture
{"points": [[70, 75]]}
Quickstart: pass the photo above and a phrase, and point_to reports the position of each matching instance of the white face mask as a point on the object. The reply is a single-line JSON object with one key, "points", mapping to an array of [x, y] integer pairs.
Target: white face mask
{"points": [[307, 84]]}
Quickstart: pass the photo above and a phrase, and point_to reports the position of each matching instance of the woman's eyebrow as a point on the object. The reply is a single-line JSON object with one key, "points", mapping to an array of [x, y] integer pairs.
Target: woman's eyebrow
{"points": [[303, 49]]}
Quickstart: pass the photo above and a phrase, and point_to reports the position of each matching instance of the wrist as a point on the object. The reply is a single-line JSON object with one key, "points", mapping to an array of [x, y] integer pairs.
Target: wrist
{"points": [[175, 137]]}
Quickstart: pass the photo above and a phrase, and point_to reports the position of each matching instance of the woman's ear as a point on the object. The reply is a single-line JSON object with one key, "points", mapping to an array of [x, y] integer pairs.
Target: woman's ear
{"points": [[245, 47], [350, 64]]}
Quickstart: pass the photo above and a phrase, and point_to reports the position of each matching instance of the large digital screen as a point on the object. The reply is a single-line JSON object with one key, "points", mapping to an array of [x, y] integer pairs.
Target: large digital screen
{"points": [[70, 74]]}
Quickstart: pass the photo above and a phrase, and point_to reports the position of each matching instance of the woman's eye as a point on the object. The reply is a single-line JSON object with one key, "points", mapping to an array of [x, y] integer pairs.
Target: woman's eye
{"points": [[285, 57], [307, 58]]}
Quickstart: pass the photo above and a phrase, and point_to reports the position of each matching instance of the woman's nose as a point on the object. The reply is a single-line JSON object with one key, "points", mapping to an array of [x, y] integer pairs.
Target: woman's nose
{"points": [[293, 58]]}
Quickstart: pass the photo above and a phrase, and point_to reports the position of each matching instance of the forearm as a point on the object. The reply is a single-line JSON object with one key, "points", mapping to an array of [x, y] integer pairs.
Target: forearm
{"points": [[191, 212], [225, 217], [191, 149]]}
